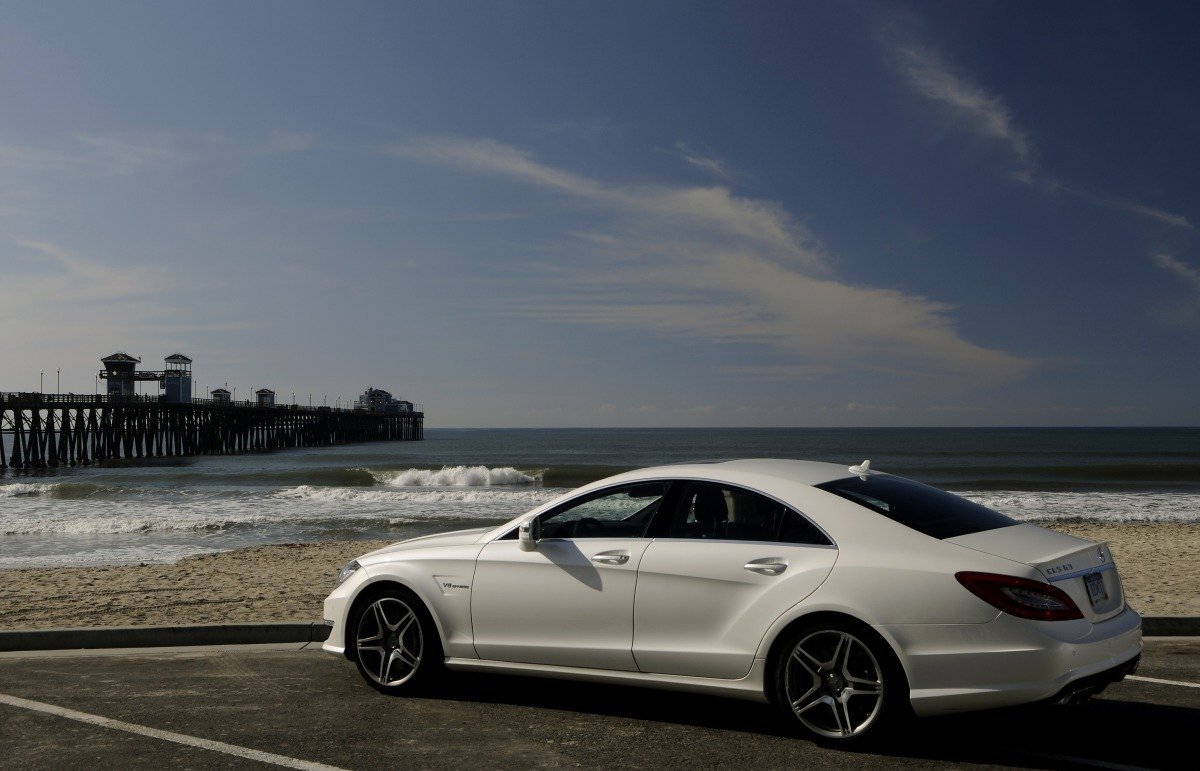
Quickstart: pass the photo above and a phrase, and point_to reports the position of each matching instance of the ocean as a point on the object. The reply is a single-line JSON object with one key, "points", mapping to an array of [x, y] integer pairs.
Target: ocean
{"points": [[159, 510]]}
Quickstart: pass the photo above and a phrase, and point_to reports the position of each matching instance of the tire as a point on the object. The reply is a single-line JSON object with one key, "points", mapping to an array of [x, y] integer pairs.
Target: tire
{"points": [[394, 642], [840, 682]]}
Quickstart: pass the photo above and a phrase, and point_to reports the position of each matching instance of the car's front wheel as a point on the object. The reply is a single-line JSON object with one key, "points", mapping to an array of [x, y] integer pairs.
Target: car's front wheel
{"points": [[839, 681], [396, 646]]}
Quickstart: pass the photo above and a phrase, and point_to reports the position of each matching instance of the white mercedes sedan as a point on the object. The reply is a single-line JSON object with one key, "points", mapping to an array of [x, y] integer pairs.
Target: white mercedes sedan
{"points": [[848, 597]]}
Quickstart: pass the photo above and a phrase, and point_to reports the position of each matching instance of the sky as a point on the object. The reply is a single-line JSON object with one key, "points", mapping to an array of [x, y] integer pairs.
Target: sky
{"points": [[613, 213]]}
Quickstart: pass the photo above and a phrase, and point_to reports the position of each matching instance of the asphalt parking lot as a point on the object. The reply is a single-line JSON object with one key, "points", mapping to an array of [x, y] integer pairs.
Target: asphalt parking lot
{"points": [[306, 707]]}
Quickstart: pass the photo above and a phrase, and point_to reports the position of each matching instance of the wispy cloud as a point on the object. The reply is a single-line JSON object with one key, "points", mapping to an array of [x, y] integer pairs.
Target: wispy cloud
{"points": [[590, 130], [706, 264], [763, 222], [291, 141], [85, 304], [1121, 204], [131, 154], [703, 161], [102, 154], [973, 109], [22, 156], [1189, 274], [124, 154], [970, 106], [1188, 312], [74, 274]]}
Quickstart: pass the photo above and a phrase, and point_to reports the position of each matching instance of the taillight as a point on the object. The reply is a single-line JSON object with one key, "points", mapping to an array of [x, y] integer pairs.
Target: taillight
{"points": [[1021, 597]]}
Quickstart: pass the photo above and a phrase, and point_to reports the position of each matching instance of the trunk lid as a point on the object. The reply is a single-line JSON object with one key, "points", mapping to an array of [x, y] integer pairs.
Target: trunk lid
{"points": [[1083, 569]]}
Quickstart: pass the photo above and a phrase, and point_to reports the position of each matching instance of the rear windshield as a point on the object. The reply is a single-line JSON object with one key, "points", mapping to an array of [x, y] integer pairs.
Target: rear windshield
{"points": [[925, 509]]}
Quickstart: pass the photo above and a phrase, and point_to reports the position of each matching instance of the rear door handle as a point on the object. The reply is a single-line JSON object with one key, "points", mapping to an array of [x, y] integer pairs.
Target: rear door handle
{"points": [[614, 557], [767, 566]]}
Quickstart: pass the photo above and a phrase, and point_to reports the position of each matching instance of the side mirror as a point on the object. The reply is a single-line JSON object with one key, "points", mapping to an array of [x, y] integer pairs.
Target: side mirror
{"points": [[525, 535]]}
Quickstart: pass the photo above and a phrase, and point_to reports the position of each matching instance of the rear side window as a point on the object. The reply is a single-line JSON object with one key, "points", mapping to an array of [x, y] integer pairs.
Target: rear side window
{"points": [[709, 510], [925, 509]]}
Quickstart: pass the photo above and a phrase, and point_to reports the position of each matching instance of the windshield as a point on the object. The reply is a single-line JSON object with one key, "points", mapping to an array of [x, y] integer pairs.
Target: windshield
{"points": [[925, 509]]}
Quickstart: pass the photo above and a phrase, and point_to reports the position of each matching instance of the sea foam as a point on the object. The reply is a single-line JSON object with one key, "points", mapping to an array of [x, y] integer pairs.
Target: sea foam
{"points": [[18, 489], [517, 497], [458, 476], [1092, 507]]}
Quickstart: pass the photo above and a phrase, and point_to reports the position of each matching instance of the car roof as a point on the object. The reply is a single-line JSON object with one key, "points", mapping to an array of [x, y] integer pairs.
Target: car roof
{"points": [[805, 472], [756, 473]]}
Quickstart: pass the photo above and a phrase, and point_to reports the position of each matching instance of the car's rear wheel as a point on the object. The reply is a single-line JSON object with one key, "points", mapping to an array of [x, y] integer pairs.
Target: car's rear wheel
{"points": [[839, 681], [396, 645]]}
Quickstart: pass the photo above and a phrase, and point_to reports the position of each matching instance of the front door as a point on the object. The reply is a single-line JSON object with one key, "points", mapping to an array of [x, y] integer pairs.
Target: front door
{"points": [[569, 602]]}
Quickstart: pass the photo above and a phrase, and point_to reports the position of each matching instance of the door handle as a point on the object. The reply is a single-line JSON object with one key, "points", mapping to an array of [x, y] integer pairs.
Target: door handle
{"points": [[615, 557], [767, 566]]}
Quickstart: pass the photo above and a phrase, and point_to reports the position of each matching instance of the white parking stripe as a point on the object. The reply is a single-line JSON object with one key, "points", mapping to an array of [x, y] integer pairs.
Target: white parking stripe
{"points": [[169, 736], [1085, 761], [1163, 682]]}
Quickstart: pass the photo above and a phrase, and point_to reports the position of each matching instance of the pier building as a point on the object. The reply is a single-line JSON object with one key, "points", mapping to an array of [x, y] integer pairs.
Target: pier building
{"points": [[379, 400], [174, 379]]}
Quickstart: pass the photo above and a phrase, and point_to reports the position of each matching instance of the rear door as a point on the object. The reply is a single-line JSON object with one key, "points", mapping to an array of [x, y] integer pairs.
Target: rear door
{"points": [[731, 562]]}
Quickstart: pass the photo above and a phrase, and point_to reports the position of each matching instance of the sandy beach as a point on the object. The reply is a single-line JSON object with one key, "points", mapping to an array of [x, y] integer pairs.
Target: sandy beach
{"points": [[1159, 563]]}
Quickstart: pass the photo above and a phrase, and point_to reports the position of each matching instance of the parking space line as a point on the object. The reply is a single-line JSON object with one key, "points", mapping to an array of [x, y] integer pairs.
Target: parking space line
{"points": [[1071, 759], [169, 736], [1161, 682]]}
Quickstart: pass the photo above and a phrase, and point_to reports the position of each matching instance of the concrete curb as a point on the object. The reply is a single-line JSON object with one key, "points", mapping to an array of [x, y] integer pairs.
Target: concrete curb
{"points": [[1171, 626], [256, 634], [161, 636]]}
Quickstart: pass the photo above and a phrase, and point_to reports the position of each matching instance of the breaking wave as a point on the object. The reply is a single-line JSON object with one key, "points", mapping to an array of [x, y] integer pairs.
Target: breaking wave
{"points": [[20, 488], [527, 498], [1091, 507], [459, 476], [196, 522], [59, 490]]}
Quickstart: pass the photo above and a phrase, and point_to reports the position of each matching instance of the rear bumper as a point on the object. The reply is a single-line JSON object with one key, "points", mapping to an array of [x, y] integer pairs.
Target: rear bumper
{"points": [[1009, 661], [1078, 690]]}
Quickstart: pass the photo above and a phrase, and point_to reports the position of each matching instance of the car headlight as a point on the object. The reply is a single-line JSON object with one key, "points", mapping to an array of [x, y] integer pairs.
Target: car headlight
{"points": [[346, 571]]}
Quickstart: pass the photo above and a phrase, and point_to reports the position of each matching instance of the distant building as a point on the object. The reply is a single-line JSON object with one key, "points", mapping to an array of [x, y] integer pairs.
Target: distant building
{"points": [[120, 371], [378, 400], [122, 375], [220, 395], [265, 397], [177, 379]]}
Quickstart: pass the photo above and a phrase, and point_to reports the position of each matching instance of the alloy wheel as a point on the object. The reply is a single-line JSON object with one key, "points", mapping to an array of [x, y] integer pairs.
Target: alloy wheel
{"points": [[834, 684], [389, 642]]}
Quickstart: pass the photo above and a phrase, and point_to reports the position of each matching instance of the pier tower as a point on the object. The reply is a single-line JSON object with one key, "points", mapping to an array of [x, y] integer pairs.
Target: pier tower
{"points": [[120, 371], [177, 379]]}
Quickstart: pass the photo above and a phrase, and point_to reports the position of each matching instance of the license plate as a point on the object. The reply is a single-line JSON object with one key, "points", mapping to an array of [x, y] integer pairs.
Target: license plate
{"points": [[1095, 586]]}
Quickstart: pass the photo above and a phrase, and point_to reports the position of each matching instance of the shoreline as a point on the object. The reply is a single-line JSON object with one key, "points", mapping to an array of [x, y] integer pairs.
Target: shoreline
{"points": [[1158, 563]]}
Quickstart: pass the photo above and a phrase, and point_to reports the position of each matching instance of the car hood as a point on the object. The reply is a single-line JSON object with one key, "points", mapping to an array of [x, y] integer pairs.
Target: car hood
{"points": [[455, 538]]}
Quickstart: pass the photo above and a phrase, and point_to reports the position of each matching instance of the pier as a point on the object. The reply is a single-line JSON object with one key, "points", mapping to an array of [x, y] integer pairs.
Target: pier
{"points": [[40, 431]]}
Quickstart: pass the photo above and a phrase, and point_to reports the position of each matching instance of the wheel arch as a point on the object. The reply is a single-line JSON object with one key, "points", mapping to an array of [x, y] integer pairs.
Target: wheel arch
{"points": [[777, 641], [371, 588]]}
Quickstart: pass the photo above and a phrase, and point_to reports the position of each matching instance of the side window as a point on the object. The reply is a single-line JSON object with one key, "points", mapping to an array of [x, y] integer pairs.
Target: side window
{"points": [[621, 513], [708, 510], [797, 529]]}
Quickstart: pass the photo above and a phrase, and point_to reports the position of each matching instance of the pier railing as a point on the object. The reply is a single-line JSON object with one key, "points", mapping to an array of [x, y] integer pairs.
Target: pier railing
{"points": [[30, 397], [45, 430]]}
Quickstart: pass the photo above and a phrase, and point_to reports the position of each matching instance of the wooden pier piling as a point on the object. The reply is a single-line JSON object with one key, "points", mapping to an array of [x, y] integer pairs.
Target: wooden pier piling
{"points": [[49, 430]]}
